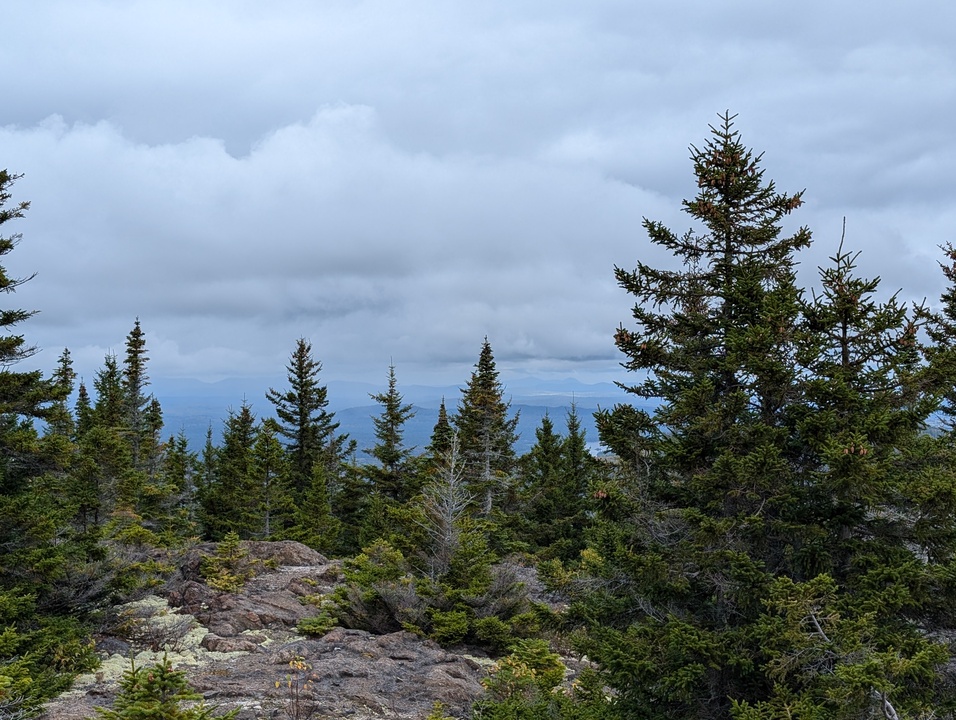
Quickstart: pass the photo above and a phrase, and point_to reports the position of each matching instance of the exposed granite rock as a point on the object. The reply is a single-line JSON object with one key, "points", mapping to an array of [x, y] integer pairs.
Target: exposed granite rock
{"points": [[346, 673], [236, 649]]}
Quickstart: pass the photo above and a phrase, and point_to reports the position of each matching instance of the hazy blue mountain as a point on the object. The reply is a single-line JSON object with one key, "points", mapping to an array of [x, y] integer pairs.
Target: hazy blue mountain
{"points": [[194, 406]]}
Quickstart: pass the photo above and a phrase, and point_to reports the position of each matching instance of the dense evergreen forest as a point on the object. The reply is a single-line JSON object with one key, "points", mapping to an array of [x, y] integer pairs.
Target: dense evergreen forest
{"points": [[775, 540]]}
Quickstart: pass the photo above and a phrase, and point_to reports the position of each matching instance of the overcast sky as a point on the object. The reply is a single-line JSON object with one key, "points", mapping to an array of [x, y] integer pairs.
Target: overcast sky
{"points": [[397, 180]]}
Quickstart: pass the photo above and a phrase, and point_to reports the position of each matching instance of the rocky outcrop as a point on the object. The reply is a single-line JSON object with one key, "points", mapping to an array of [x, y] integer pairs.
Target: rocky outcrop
{"points": [[241, 650], [346, 673]]}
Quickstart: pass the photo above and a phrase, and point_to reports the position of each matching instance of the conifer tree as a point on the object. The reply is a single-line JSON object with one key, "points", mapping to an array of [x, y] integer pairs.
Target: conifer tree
{"points": [[942, 334], [310, 428], [442, 435], [486, 434], [110, 408], [315, 525], [157, 691], [577, 460], [22, 394], [543, 461], [392, 478], [715, 339], [141, 413], [151, 444], [351, 500], [60, 421], [271, 468], [207, 478], [304, 418], [41, 624], [180, 465], [84, 411], [867, 567], [57, 443], [229, 501], [106, 475], [539, 475], [554, 476], [863, 408], [767, 560], [134, 382], [102, 477], [572, 507], [172, 508]]}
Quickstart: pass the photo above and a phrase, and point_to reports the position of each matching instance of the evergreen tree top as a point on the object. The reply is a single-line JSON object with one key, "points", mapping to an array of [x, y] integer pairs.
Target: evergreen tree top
{"points": [[12, 347], [442, 434], [729, 305], [484, 389], [389, 430]]}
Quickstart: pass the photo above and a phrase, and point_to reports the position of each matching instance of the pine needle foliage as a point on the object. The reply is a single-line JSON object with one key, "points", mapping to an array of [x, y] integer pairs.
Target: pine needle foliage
{"points": [[486, 433], [155, 692], [785, 466]]}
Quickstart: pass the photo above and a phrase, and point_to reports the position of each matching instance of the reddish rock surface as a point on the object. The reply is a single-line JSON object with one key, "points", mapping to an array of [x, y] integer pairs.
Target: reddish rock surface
{"points": [[240, 647]]}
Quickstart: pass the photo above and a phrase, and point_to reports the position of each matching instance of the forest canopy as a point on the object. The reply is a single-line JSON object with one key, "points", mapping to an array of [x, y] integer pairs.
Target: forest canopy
{"points": [[770, 534]]}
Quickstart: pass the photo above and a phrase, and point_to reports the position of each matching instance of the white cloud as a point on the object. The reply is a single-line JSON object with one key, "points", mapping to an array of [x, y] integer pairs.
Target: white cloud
{"points": [[401, 180]]}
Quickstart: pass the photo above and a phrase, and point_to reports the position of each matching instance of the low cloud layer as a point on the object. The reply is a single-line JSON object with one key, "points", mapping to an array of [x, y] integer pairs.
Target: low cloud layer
{"points": [[397, 182]]}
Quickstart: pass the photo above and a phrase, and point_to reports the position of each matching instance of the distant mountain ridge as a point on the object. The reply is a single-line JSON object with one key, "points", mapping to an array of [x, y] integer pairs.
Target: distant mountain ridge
{"points": [[194, 406]]}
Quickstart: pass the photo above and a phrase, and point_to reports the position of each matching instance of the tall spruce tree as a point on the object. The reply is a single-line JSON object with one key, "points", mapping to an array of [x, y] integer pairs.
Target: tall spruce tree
{"points": [[85, 418], [110, 407], [862, 411], [441, 440], [874, 515], [60, 421], [442, 433], [304, 418], [485, 432], [41, 643], [715, 341], [942, 333], [22, 394], [102, 477], [172, 508], [553, 505], [134, 381], [572, 506], [315, 525], [119, 440], [274, 504], [539, 475], [229, 499], [760, 559], [392, 478], [60, 432], [207, 473]]}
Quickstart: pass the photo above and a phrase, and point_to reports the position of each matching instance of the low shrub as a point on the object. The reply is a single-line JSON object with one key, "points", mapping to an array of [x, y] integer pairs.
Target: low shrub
{"points": [[382, 593], [526, 685], [158, 691], [230, 568]]}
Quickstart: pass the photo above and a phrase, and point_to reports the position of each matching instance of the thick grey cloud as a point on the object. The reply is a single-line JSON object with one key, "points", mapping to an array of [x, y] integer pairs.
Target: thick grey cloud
{"points": [[397, 180]]}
